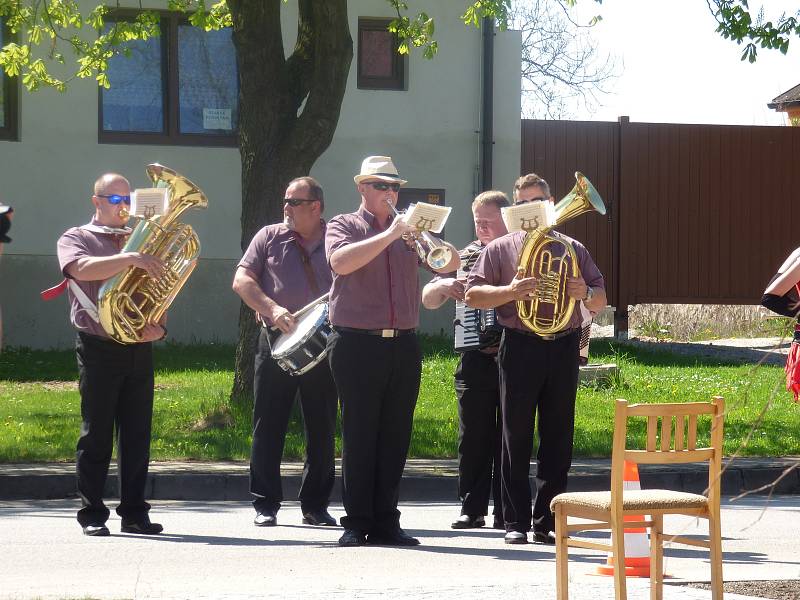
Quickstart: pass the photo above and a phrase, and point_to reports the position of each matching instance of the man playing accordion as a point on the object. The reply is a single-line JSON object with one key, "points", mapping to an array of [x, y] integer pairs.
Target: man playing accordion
{"points": [[476, 377]]}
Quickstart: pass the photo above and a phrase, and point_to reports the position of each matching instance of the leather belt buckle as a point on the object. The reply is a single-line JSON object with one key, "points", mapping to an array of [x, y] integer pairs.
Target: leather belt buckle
{"points": [[548, 337], [387, 333]]}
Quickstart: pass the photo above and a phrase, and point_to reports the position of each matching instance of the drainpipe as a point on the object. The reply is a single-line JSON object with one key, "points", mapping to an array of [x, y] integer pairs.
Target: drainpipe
{"points": [[487, 104]]}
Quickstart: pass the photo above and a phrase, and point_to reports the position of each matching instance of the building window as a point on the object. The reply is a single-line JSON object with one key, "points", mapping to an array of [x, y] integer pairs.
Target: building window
{"points": [[380, 66], [9, 92], [179, 88]]}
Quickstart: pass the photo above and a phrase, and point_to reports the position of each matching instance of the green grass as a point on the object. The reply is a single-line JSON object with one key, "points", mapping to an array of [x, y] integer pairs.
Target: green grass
{"points": [[40, 407]]}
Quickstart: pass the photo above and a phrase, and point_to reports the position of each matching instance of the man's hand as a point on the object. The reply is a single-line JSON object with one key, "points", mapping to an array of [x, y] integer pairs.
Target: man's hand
{"points": [[522, 288], [576, 288], [399, 227], [451, 288], [151, 333], [152, 265], [282, 319]]}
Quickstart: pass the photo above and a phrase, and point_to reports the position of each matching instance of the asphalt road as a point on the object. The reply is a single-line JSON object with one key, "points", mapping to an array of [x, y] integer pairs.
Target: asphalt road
{"points": [[212, 550]]}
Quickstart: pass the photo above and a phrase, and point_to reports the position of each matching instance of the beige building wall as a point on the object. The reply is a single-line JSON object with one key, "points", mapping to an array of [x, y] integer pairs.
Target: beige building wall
{"points": [[431, 130]]}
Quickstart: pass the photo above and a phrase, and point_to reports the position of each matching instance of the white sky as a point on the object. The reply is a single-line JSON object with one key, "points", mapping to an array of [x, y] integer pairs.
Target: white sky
{"points": [[677, 69]]}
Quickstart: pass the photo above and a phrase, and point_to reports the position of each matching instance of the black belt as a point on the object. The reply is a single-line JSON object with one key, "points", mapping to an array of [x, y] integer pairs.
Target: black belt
{"points": [[387, 333], [547, 337]]}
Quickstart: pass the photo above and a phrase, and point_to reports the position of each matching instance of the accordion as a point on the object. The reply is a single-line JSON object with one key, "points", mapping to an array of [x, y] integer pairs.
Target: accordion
{"points": [[474, 328]]}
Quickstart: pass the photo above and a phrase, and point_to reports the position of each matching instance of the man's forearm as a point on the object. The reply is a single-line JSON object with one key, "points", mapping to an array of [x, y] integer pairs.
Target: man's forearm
{"points": [[252, 294], [99, 268], [598, 302], [432, 296], [352, 257], [488, 296]]}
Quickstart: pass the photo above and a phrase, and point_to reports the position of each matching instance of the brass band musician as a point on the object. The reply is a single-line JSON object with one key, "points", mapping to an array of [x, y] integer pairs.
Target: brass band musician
{"points": [[476, 378], [538, 373]]}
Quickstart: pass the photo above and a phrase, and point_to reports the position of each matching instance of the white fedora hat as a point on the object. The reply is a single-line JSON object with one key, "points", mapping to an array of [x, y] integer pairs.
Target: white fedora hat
{"points": [[4, 208], [379, 167]]}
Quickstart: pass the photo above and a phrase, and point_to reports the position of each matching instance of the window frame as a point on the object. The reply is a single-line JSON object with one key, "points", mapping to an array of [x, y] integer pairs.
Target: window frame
{"points": [[171, 135], [9, 131], [398, 81]]}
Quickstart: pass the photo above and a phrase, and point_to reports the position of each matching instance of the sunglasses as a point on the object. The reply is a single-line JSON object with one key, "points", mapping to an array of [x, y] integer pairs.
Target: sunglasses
{"points": [[115, 198], [382, 186], [298, 201]]}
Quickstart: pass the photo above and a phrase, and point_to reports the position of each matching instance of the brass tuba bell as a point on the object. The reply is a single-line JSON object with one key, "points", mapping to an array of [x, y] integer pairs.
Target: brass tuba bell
{"points": [[132, 299], [552, 261]]}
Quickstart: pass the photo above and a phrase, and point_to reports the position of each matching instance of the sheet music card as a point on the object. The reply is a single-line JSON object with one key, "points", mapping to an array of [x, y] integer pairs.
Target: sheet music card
{"points": [[427, 217], [529, 216], [149, 202]]}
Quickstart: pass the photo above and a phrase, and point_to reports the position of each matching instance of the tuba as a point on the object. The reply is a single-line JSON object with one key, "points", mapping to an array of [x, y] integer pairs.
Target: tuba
{"points": [[552, 261], [132, 299]]}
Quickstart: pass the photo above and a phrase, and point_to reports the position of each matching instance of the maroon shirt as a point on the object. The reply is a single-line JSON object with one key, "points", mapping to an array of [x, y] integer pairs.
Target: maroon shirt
{"points": [[275, 257], [384, 293], [497, 265], [78, 243]]}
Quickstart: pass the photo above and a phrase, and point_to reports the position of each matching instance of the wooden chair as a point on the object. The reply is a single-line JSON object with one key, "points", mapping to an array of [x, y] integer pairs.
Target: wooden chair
{"points": [[608, 509]]}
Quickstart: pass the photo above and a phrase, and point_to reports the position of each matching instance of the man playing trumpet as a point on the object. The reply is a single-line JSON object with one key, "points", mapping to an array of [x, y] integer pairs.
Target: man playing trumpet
{"points": [[537, 373], [374, 354]]}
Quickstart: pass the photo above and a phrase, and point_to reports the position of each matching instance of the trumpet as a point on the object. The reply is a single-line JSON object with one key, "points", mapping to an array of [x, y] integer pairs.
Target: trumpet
{"points": [[431, 250]]}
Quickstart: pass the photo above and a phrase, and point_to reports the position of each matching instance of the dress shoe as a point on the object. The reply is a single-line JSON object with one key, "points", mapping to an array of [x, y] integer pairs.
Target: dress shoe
{"points": [[544, 537], [266, 518], [319, 517], [352, 537], [516, 537], [398, 537], [468, 522], [498, 522], [142, 526], [96, 530]]}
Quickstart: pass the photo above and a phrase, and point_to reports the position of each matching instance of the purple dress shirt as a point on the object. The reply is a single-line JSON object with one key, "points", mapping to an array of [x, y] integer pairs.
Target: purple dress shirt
{"points": [[497, 265], [276, 258], [384, 293]]}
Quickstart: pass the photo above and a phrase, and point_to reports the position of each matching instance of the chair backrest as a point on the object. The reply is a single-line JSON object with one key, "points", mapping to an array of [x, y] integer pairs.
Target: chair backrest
{"points": [[671, 438]]}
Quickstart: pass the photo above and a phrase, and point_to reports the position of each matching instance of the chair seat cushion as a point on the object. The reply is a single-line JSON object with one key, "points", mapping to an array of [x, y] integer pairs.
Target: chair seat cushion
{"points": [[644, 500]]}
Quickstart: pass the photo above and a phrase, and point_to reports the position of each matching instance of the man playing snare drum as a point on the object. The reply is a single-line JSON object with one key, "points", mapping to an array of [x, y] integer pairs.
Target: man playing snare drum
{"points": [[283, 270]]}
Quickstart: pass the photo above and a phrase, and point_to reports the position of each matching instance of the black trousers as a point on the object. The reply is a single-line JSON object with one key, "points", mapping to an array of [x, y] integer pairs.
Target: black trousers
{"points": [[477, 388], [378, 383], [275, 391], [116, 386], [536, 376]]}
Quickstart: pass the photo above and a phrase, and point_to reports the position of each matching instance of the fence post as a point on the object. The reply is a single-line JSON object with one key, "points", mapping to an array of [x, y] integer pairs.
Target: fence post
{"points": [[620, 290]]}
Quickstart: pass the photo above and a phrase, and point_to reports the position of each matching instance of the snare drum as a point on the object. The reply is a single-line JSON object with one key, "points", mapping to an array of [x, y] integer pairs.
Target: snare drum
{"points": [[302, 348]]}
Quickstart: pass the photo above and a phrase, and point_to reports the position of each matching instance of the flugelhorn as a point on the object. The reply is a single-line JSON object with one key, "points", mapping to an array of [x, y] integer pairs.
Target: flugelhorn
{"points": [[430, 249], [552, 262]]}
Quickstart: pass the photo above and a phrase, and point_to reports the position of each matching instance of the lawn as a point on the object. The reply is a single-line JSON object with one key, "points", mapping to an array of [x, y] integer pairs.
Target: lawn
{"points": [[40, 408]]}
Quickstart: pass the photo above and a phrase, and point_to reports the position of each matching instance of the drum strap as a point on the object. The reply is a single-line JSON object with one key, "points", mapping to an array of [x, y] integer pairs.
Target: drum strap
{"points": [[306, 260]]}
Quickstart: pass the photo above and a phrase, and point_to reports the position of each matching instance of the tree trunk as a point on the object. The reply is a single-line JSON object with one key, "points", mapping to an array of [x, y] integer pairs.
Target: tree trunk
{"points": [[275, 142]]}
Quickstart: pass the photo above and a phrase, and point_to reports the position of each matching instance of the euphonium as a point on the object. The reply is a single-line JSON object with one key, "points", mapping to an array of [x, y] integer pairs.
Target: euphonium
{"points": [[552, 261], [132, 299], [430, 249]]}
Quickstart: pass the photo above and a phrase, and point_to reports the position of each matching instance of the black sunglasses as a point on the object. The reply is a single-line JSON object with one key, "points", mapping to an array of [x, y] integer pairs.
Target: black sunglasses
{"points": [[298, 201], [383, 186], [115, 198]]}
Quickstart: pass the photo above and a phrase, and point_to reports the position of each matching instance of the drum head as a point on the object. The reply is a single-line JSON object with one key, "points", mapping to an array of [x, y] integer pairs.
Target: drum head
{"points": [[304, 328]]}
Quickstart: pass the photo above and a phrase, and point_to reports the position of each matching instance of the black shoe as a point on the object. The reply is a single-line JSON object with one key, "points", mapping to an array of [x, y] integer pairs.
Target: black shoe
{"points": [[468, 522], [319, 517], [516, 537], [266, 518], [143, 526], [96, 530], [498, 522], [398, 537], [352, 537], [544, 537]]}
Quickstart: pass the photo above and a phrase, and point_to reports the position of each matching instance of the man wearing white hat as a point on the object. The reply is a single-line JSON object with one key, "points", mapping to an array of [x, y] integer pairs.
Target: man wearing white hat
{"points": [[374, 354]]}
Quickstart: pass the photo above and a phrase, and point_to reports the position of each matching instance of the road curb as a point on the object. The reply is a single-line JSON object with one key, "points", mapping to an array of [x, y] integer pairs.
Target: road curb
{"points": [[424, 480]]}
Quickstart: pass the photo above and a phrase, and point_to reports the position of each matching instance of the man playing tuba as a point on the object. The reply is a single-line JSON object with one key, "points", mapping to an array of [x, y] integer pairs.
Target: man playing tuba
{"points": [[538, 373], [116, 380]]}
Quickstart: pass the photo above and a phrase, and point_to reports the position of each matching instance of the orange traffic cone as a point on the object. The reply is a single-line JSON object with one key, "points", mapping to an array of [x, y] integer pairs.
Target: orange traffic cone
{"points": [[637, 546]]}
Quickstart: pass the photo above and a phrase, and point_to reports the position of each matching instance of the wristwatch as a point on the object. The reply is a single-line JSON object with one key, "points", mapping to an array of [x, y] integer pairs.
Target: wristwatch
{"points": [[589, 293]]}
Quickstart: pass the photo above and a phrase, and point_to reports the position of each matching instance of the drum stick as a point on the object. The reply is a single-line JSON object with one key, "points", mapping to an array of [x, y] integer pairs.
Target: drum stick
{"points": [[310, 305]]}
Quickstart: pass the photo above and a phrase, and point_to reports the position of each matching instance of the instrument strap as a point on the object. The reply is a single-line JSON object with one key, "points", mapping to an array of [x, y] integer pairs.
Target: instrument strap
{"points": [[306, 260]]}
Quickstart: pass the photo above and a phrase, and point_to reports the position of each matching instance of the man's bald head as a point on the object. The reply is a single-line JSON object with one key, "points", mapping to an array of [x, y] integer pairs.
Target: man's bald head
{"points": [[109, 184]]}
